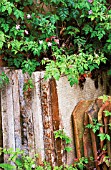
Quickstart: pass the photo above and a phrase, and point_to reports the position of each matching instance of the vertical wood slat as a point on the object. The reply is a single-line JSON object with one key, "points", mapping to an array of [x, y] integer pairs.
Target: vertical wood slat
{"points": [[33, 123], [16, 110], [56, 121], [37, 117], [24, 139], [47, 121], [78, 117], [10, 114], [29, 118], [4, 120], [1, 135]]}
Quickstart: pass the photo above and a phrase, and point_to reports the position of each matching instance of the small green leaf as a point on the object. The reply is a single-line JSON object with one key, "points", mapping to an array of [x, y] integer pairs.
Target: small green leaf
{"points": [[107, 137], [7, 166], [107, 113], [68, 149]]}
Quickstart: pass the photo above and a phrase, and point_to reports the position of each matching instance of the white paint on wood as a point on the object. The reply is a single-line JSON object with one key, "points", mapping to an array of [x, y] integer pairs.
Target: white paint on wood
{"points": [[10, 115], [16, 110], [37, 116], [22, 107]]}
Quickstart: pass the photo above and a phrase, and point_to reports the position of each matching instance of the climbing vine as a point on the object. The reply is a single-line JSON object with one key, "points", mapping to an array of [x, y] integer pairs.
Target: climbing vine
{"points": [[60, 36], [3, 79]]}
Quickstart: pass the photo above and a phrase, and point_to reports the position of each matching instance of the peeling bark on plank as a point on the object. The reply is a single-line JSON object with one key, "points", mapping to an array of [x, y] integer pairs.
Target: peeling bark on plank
{"points": [[29, 118], [16, 109], [47, 121], [37, 118]]}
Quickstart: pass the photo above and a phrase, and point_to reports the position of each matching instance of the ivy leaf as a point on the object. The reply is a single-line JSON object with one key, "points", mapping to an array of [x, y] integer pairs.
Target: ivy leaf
{"points": [[9, 10], [19, 163], [2, 36], [68, 149], [104, 98], [107, 137], [102, 136], [63, 12], [7, 166], [81, 166], [19, 14], [1, 45], [5, 27], [107, 113], [3, 8]]}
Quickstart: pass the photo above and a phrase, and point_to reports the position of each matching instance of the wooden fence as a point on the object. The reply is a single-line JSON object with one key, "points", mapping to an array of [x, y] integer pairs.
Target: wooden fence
{"points": [[29, 118], [88, 143]]}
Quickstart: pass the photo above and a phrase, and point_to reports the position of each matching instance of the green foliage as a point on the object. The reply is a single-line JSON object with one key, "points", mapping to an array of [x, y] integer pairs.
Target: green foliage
{"points": [[19, 159], [107, 113], [3, 79], [73, 35], [62, 135], [29, 66], [95, 126], [72, 65], [6, 166], [28, 85], [104, 98], [104, 136], [22, 161], [107, 160], [80, 163]]}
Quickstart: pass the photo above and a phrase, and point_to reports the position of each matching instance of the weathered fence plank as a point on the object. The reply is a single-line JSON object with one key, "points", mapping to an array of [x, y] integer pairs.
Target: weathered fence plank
{"points": [[47, 121], [22, 112], [16, 110], [34, 115], [29, 118], [4, 120], [1, 134], [37, 118], [10, 114], [78, 119], [56, 122]]}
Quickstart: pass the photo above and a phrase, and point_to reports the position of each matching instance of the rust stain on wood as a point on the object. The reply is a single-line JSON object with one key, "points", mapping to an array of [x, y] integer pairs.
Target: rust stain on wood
{"points": [[47, 122], [87, 138], [78, 120], [56, 120]]}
